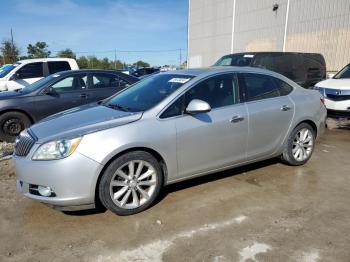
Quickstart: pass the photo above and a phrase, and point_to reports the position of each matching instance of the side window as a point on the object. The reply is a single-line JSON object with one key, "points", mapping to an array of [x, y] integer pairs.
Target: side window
{"points": [[123, 84], [70, 83], [283, 88], [104, 81], [31, 70], [58, 66], [175, 109], [217, 91], [257, 86]]}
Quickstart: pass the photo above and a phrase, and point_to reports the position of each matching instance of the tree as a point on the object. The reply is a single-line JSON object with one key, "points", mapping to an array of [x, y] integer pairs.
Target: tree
{"points": [[141, 64], [9, 52], [39, 50], [83, 62], [66, 53]]}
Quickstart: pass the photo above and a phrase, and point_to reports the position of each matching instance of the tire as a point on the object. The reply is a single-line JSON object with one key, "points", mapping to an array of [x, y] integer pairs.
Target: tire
{"points": [[125, 196], [290, 154], [11, 124]]}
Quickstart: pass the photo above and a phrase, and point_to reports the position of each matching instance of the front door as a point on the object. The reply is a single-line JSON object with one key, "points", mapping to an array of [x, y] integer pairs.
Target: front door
{"points": [[66, 93], [213, 140], [26, 75]]}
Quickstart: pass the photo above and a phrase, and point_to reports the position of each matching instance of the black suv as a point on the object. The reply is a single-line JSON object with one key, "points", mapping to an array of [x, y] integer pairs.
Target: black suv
{"points": [[306, 69], [57, 92]]}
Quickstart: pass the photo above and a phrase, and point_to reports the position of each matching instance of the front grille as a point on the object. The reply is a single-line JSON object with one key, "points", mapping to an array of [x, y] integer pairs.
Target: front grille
{"points": [[24, 143], [338, 97]]}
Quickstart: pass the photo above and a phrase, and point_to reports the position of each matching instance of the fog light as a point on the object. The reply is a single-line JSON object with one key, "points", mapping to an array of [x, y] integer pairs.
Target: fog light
{"points": [[44, 191]]}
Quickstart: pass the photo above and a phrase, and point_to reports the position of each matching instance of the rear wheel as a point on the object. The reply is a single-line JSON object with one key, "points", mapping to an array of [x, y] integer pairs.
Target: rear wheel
{"points": [[131, 183], [11, 124], [300, 145]]}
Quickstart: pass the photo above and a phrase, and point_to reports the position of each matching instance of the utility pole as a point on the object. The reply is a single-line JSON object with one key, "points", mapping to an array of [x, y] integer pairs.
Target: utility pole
{"points": [[12, 47], [180, 57], [115, 58]]}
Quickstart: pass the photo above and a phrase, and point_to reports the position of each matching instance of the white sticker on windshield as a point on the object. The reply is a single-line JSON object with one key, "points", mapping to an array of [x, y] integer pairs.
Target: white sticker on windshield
{"points": [[248, 56], [55, 75], [179, 80]]}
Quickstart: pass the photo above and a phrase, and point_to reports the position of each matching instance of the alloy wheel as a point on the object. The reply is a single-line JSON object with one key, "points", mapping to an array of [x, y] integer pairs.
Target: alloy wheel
{"points": [[133, 184], [303, 144]]}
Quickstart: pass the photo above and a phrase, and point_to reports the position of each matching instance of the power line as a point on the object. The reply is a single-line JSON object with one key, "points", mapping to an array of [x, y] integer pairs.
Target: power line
{"points": [[126, 51]]}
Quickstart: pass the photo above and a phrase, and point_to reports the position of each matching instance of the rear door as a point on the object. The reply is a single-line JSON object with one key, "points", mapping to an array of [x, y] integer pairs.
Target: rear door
{"points": [[270, 113], [66, 93], [103, 85]]}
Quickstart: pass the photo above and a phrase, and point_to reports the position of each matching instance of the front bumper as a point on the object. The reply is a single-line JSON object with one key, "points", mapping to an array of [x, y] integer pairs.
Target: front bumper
{"points": [[72, 179]]}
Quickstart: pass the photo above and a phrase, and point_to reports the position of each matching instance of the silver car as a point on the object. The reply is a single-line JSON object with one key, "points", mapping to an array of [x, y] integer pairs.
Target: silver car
{"points": [[164, 129]]}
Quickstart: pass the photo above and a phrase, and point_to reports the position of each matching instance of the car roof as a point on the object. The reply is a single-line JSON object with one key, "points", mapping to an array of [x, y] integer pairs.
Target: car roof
{"points": [[217, 69], [90, 71], [271, 52], [44, 60]]}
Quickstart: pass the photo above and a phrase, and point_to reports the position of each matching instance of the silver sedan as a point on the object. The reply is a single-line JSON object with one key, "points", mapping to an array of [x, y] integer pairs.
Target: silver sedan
{"points": [[164, 129]]}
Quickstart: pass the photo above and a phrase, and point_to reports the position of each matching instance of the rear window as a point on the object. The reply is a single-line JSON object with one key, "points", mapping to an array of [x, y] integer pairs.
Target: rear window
{"points": [[58, 66], [235, 60]]}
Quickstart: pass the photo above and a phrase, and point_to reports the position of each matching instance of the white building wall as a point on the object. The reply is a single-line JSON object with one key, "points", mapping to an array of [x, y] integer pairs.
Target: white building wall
{"points": [[320, 26]]}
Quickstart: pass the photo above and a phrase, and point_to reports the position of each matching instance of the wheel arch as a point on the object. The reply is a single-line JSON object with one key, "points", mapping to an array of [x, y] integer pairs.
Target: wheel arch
{"points": [[153, 152], [311, 123], [30, 117]]}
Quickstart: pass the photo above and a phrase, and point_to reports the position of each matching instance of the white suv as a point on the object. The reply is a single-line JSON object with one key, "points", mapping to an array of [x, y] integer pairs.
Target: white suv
{"points": [[26, 72], [336, 93]]}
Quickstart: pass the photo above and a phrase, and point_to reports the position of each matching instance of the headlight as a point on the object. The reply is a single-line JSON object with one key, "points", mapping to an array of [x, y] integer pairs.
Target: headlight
{"points": [[56, 149]]}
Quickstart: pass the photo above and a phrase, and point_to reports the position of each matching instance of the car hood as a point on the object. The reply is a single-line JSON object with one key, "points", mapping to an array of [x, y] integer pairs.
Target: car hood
{"points": [[10, 94], [335, 84], [80, 121]]}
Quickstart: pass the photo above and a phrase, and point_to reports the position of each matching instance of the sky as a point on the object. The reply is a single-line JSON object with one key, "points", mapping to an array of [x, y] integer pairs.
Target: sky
{"points": [[92, 27]]}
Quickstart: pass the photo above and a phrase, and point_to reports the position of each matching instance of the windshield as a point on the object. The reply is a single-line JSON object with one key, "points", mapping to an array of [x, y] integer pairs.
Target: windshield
{"points": [[7, 69], [36, 85], [235, 60], [344, 73], [147, 93]]}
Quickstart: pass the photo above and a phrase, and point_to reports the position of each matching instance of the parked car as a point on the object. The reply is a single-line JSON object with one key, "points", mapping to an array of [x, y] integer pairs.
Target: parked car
{"points": [[336, 92], [23, 107], [164, 129], [306, 69], [3, 66], [26, 72], [140, 72]]}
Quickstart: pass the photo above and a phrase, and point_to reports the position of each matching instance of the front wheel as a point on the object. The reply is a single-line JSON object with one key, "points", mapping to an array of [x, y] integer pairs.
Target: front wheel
{"points": [[300, 145], [11, 124], [131, 183]]}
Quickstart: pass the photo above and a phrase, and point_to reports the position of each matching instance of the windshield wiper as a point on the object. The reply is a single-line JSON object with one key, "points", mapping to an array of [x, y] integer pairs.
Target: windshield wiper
{"points": [[118, 107]]}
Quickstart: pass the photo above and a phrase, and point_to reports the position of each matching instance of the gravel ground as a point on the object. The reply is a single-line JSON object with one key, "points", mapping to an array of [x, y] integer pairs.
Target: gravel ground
{"points": [[6, 149], [263, 212]]}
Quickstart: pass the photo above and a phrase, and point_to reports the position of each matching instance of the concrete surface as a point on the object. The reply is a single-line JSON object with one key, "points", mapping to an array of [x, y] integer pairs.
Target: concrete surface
{"points": [[262, 212]]}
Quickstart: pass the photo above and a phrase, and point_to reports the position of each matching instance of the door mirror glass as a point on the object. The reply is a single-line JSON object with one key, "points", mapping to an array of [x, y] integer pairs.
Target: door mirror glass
{"points": [[15, 77], [51, 92], [197, 106]]}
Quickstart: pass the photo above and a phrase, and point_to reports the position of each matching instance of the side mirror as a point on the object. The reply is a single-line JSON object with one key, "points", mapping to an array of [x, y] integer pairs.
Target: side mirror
{"points": [[197, 106], [15, 77], [51, 92]]}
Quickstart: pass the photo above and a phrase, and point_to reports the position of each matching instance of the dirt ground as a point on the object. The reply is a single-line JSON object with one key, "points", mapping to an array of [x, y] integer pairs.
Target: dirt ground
{"points": [[261, 212]]}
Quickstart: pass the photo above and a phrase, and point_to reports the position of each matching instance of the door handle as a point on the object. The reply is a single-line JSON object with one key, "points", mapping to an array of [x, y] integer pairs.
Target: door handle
{"points": [[236, 119], [285, 108], [84, 95]]}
